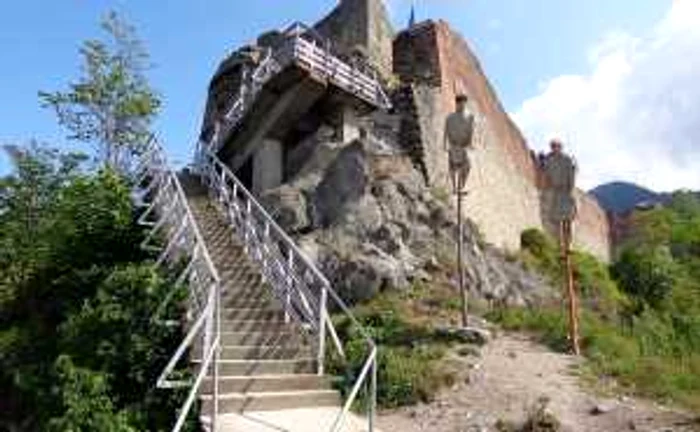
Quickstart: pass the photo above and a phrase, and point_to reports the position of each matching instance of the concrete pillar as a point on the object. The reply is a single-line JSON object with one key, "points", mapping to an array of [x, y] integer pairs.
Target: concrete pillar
{"points": [[351, 124], [267, 166]]}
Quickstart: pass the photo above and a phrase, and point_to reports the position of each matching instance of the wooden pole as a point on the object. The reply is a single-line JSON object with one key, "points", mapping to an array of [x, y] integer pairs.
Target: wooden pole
{"points": [[565, 244], [460, 261]]}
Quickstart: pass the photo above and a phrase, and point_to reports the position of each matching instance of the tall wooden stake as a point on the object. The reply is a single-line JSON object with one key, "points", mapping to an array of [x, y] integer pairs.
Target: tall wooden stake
{"points": [[565, 244], [460, 261]]}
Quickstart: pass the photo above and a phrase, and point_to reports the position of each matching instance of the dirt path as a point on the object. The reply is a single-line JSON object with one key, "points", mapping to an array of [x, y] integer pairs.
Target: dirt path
{"points": [[508, 379]]}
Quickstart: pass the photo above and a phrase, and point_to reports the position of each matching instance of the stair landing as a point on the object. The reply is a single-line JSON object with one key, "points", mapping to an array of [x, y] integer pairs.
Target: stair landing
{"points": [[291, 420]]}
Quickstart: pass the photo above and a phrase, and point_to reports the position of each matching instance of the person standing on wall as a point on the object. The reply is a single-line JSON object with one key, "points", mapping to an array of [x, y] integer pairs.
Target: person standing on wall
{"points": [[560, 171]]}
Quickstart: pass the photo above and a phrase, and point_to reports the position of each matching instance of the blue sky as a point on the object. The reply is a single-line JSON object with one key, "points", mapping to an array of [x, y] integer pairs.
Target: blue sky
{"points": [[524, 46]]}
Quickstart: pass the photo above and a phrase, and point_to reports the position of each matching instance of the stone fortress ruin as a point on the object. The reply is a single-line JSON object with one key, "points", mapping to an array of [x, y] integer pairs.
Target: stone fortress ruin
{"points": [[338, 127]]}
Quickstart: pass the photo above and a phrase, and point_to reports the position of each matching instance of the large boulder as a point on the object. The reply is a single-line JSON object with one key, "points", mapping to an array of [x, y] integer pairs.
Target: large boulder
{"points": [[343, 184], [288, 206]]}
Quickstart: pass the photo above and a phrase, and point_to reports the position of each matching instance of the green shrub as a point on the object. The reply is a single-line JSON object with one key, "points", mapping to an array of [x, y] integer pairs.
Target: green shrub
{"points": [[598, 291], [408, 375], [537, 242], [540, 252], [409, 354], [648, 275]]}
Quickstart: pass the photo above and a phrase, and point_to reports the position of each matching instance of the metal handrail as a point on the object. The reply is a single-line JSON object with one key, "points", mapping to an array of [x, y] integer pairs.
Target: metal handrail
{"points": [[300, 286], [174, 219]]}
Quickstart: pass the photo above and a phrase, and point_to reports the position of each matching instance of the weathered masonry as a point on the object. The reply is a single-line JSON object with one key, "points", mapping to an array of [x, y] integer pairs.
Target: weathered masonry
{"points": [[272, 103]]}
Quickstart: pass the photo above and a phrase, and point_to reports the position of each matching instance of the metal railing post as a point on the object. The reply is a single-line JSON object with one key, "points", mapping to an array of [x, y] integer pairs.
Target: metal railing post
{"points": [[246, 226], [222, 187], [234, 203], [288, 285], [322, 330], [372, 395], [217, 355]]}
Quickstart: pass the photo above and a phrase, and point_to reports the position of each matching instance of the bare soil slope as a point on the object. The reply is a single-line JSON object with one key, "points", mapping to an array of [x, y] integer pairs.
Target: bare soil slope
{"points": [[506, 382]]}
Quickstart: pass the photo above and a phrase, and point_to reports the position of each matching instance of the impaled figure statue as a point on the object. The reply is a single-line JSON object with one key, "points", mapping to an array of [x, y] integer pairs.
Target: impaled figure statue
{"points": [[560, 170], [459, 135]]}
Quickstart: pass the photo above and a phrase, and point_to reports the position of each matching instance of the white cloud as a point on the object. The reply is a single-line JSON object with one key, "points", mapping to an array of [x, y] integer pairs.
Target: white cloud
{"points": [[636, 115]]}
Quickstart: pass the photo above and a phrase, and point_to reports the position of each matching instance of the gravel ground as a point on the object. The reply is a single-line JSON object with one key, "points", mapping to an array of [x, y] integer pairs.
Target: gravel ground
{"points": [[511, 375]]}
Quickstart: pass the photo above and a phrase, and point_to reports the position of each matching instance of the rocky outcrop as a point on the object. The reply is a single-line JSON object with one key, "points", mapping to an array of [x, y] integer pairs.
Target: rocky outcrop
{"points": [[370, 231]]}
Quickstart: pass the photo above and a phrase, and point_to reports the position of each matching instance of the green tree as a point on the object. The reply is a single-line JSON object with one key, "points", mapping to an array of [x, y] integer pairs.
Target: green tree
{"points": [[650, 228], [112, 105], [79, 350], [648, 275], [85, 403], [26, 197]]}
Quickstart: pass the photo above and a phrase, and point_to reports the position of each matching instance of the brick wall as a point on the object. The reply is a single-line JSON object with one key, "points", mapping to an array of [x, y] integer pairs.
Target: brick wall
{"points": [[364, 23], [505, 197]]}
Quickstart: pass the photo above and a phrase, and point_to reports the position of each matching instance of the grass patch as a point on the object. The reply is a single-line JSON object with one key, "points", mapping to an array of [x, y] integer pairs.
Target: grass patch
{"points": [[441, 194], [410, 350]]}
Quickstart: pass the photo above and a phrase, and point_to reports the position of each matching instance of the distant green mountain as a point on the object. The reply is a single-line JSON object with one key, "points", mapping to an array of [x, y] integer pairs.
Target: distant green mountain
{"points": [[621, 197]]}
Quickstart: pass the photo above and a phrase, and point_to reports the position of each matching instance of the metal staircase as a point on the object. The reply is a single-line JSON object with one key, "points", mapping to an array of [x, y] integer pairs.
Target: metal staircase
{"points": [[258, 330], [267, 360], [257, 322]]}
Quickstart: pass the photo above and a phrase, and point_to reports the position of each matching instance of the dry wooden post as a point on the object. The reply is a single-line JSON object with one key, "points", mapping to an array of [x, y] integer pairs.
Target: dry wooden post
{"points": [[460, 261], [565, 244]]}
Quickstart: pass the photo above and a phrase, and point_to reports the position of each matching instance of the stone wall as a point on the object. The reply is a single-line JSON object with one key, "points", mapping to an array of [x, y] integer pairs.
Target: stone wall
{"points": [[504, 194], [361, 23], [593, 230]]}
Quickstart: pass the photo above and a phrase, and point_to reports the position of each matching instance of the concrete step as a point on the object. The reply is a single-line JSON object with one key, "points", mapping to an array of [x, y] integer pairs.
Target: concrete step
{"points": [[238, 368], [245, 314], [235, 279], [257, 293], [266, 337], [267, 383], [276, 326], [269, 401], [291, 420], [241, 302], [291, 350]]}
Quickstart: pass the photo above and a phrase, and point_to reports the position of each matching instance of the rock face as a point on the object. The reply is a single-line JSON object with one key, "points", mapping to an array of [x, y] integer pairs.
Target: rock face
{"points": [[371, 231]]}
